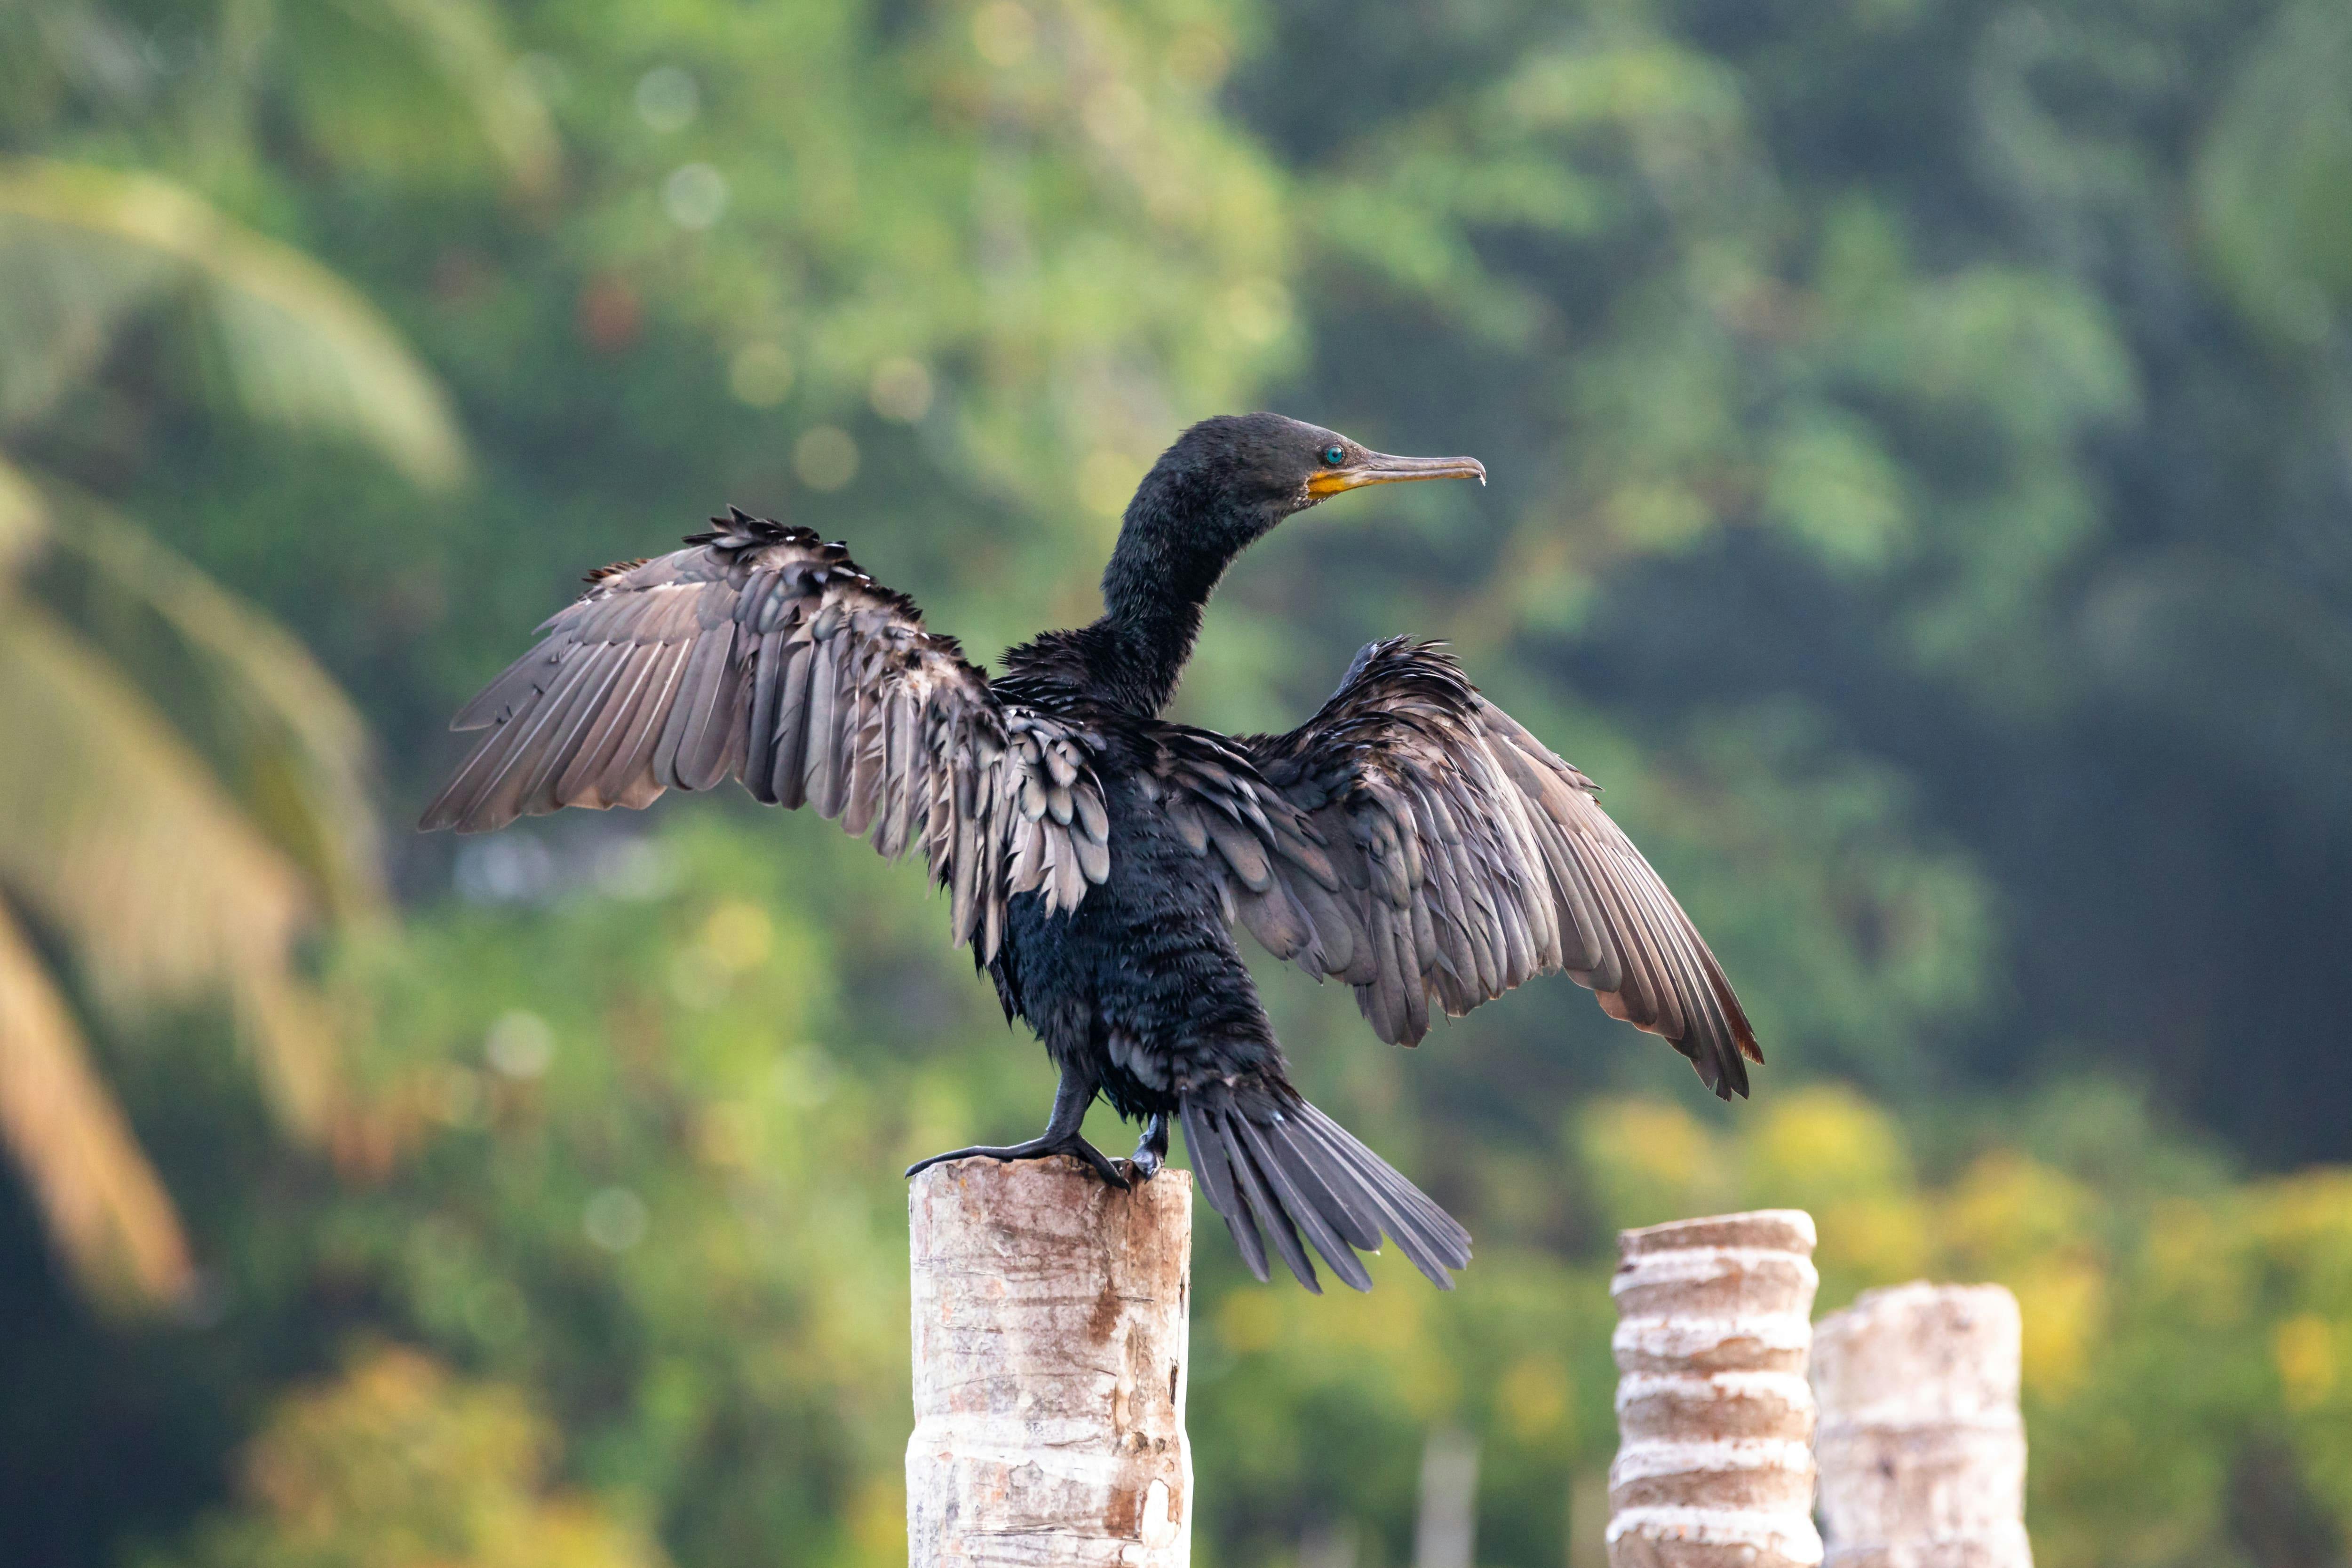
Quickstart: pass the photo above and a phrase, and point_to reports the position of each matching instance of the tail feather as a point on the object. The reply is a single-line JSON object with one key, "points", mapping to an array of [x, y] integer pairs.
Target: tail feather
{"points": [[1276, 1167], [1268, 1211], [1309, 1214], [1357, 1223], [1368, 1217], [1212, 1165], [1429, 1235]]}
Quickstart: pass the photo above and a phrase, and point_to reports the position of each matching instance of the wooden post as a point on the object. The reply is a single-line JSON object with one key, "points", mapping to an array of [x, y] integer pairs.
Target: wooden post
{"points": [[1922, 1450], [1050, 1326], [1715, 1467], [1447, 1533]]}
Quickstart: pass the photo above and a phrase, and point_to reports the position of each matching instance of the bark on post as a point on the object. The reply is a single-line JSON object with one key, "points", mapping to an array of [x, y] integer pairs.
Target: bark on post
{"points": [[1714, 1468], [1922, 1450], [1050, 1328]]}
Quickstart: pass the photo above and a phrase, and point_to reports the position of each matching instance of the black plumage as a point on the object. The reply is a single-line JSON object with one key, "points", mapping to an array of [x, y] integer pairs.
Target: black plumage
{"points": [[1410, 839]]}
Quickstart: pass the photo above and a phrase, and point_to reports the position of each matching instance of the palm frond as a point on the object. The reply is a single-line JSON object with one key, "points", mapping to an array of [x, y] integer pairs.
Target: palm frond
{"points": [[81, 247], [305, 67], [461, 41], [24, 517], [119, 840], [107, 1214], [64, 296], [282, 734], [2271, 178]]}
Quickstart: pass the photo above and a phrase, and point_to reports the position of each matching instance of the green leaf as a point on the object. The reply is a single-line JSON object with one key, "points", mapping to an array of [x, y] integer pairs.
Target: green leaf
{"points": [[82, 248]]}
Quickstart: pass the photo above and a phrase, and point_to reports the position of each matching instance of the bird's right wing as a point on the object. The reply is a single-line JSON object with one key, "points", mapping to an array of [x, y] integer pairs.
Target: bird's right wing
{"points": [[1416, 841], [760, 653]]}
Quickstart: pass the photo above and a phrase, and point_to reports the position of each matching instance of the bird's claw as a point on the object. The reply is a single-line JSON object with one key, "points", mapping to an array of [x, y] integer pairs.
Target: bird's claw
{"points": [[1150, 1150], [1075, 1147]]}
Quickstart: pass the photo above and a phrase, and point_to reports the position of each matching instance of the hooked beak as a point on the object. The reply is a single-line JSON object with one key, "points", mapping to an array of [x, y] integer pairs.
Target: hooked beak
{"points": [[1380, 468]]}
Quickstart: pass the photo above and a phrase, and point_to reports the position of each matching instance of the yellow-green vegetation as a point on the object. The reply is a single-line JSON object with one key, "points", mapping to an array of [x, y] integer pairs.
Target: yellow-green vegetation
{"points": [[639, 1153], [397, 1463], [1918, 436]]}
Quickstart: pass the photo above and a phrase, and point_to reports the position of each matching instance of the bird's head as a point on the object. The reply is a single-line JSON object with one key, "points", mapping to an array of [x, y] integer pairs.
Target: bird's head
{"points": [[1236, 477], [1222, 485]]}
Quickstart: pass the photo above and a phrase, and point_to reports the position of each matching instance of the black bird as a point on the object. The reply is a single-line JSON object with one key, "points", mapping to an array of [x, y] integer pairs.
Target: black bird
{"points": [[1410, 839]]}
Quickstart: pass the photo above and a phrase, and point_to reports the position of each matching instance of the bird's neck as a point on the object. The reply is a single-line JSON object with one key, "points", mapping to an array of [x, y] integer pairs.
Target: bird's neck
{"points": [[1167, 563], [1134, 662]]}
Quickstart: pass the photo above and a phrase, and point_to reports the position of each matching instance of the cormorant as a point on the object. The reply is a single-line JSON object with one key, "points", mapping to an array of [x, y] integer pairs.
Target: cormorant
{"points": [[1410, 839]]}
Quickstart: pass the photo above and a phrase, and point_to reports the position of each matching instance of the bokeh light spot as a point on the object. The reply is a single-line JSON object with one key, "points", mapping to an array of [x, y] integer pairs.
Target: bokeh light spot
{"points": [[608, 314], [825, 458], [614, 1219], [761, 374], [1198, 59], [667, 98], [520, 1044], [1115, 114], [2305, 1349], [738, 935], [695, 196], [901, 390]]}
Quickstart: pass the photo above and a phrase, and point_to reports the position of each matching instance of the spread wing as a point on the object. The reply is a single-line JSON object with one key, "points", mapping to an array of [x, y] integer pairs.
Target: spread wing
{"points": [[762, 654], [1414, 841]]}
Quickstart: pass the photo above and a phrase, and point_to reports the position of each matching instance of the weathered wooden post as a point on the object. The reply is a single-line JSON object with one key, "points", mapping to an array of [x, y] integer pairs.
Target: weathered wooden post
{"points": [[1715, 1466], [1051, 1356], [1922, 1450]]}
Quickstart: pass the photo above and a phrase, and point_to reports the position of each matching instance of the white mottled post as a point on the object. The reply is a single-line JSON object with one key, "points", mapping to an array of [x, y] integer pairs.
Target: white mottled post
{"points": [[1922, 1450], [1050, 1316], [1714, 1465]]}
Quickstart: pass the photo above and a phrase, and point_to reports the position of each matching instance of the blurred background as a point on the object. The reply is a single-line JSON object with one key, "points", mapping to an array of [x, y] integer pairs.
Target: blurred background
{"points": [[1921, 434]]}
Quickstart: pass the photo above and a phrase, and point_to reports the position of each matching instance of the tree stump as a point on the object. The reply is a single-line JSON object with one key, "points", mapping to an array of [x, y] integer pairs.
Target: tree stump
{"points": [[1922, 1450], [1050, 1337], [1715, 1467]]}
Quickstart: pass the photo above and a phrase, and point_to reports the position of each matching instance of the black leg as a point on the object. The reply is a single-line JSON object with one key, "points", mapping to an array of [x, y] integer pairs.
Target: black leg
{"points": [[1152, 1153], [1060, 1136]]}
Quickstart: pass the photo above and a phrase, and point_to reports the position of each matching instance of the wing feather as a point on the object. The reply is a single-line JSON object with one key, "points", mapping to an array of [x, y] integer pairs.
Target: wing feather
{"points": [[583, 775], [568, 731], [1434, 849], [628, 780], [759, 652]]}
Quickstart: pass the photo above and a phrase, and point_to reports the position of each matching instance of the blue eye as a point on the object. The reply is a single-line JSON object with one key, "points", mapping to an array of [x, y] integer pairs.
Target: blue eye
{"points": [[1335, 455]]}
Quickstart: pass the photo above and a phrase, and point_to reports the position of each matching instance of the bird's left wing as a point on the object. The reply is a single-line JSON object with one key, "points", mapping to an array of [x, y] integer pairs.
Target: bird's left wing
{"points": [[1416, 841], [762, 654]]}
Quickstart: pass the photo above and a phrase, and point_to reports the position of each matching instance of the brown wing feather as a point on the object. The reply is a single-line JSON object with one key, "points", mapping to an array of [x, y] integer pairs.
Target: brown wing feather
{"points": [[762, 654], [1418, 843]]}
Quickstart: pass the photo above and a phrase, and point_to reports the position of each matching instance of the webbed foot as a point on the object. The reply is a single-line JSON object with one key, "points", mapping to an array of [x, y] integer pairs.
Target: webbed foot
{"points": [[1035, 1149], [1061, 1136]]}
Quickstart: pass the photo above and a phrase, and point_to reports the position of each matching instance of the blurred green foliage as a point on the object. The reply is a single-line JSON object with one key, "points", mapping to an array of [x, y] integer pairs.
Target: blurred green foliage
{"points": [[397, 1463], [1918, 429]]}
